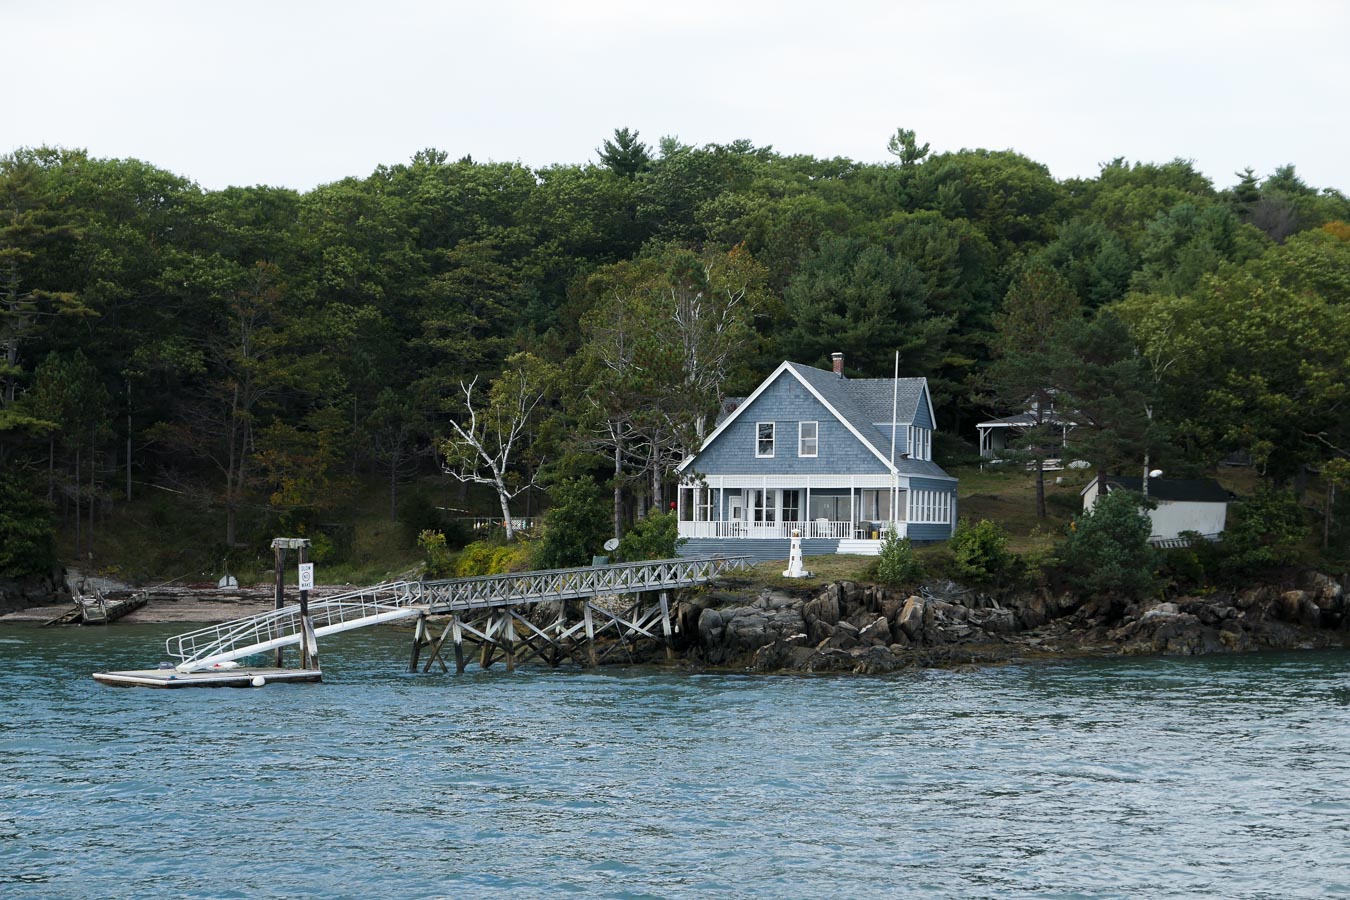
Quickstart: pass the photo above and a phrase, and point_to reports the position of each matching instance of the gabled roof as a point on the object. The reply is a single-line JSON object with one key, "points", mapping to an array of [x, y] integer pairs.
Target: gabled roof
{"points": [[1024, 420], [1188, 490], [858, 404]]}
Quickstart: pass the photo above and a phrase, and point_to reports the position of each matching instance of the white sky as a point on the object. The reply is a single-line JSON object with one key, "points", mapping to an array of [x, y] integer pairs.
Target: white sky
{"points": [[302, 93]]}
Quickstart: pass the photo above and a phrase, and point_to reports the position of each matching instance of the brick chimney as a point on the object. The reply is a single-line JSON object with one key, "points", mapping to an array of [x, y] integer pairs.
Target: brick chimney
{"points": [[838, 360]]}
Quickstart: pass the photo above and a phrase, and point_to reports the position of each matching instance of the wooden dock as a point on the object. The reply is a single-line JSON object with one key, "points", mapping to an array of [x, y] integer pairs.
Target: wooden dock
{"points": [[241, 677]]}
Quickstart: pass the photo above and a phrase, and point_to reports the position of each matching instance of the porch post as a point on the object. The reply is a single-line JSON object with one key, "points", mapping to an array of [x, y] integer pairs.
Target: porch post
{"points": [[806, 508], [852, 506]]}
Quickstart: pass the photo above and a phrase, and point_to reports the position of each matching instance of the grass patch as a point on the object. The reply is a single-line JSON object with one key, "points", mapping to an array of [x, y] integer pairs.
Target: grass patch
{"points": [[1007, 495], [824, 571]]}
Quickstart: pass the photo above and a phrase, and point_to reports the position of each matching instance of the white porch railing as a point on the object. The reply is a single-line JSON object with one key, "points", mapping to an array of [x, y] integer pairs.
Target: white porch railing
{"points": [[815, 528]]}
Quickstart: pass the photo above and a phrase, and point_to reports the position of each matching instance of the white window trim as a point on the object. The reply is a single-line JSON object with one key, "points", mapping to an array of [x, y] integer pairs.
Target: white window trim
{"points": [[815, 440], [773, 439]]}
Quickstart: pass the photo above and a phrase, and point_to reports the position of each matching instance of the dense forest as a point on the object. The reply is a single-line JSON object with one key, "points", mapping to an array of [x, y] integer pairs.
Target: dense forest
{"points": [[258, 351]]}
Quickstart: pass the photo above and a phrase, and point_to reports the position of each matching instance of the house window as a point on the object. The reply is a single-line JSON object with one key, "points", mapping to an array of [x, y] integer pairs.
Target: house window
{"points": [[705, 504], [764, 439], [920, 443], [762, 508], [808, 443], [792, 506], [876, 505], [934, 507]]}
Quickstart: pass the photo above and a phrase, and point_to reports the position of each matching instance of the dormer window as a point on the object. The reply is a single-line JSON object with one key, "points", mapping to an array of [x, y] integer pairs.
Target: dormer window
{"points": [[764, 439], [920, 443], [808, 438]]}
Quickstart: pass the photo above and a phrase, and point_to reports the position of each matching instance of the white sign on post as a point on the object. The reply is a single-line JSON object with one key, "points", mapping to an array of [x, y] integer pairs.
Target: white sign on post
{"points": [[307, 576]]}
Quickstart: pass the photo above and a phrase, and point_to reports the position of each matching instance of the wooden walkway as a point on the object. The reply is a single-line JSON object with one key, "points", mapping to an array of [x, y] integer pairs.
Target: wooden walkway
{"points": [[487, 613]]}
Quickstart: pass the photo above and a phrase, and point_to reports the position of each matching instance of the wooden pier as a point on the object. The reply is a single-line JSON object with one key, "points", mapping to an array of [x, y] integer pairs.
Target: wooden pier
{"points": [[584, 615]]}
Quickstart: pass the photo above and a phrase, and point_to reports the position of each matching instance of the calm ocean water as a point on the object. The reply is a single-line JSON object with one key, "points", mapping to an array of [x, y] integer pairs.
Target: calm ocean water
{"points": [[1223, 776]]}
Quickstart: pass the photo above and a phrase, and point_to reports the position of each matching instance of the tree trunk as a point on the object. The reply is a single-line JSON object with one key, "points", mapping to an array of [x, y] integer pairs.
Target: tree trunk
{"points": [[79, 538], [1327, 517], [1040, 487], [393, 487], [506, 511], [93, 461], [618, 493]]}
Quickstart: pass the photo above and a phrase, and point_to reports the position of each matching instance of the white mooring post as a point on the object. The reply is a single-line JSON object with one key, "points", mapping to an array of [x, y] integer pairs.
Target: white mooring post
{"points": [[795, 568]]}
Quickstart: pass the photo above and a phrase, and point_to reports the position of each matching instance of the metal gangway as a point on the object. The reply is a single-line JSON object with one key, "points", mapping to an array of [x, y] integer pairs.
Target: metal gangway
{"points": [[391, 601]]}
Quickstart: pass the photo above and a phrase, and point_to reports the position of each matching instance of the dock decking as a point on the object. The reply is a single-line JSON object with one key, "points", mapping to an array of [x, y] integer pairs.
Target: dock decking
{"points": [[172, 678]]}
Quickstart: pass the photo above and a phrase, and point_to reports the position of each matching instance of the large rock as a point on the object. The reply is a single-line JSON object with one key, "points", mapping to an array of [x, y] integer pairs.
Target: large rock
{"points": [[34, 590], [878, 633], [824, 608], [843, 636], [910, 620]]}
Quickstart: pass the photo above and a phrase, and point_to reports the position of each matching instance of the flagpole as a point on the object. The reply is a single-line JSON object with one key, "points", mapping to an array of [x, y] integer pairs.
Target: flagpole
{"points": [[895, 401]]}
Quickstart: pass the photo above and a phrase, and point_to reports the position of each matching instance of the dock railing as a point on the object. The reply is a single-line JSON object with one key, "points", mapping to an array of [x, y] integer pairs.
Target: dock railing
{"points": [[394, 600]]}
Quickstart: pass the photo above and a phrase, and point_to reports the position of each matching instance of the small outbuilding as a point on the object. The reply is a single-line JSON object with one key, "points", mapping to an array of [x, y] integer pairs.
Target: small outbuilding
{"points": [[1183, 504]]}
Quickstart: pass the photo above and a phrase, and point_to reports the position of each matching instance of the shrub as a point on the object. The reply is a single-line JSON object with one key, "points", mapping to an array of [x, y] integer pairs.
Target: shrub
{"points": [[575, 526], [1267, 529], [655, 537], [1108, 547], [438, 559], [475, 559], [897, 564], [980, 551]]}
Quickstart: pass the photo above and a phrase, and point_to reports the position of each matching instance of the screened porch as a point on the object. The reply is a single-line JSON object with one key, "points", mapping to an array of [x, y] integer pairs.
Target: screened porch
{"points": [[836, 507]]}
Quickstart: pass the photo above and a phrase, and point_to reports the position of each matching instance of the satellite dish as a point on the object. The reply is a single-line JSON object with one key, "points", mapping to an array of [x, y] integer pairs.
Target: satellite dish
{"points": [[611, 545]]}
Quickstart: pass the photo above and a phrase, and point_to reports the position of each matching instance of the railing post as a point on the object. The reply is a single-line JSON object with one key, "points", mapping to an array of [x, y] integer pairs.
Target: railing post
{"points": [[279, 555], [590, 633], [665, 627]]}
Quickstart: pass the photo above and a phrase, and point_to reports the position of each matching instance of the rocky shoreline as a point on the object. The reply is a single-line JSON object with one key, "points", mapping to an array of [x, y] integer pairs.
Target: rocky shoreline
{"points": [[868, 629]]}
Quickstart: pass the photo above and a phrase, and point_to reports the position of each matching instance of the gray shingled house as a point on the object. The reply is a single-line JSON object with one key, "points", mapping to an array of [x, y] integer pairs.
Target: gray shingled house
{"points": [[811, 450]]}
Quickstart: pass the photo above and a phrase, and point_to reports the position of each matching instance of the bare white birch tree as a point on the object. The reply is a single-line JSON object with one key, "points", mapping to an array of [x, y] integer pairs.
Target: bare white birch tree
{"points": [[494, 431]]}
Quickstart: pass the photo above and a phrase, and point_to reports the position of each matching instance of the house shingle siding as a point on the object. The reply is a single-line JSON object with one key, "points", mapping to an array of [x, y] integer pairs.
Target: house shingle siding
{"points": [[785, 403]]}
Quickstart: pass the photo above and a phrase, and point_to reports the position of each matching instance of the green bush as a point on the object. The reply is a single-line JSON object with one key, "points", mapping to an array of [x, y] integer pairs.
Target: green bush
{"points": [[27, 533], [1267, 529], [1108, 548], [897, 565], [475, 559], [980, 551], [575, 526], [655, 537], [438, 559]]}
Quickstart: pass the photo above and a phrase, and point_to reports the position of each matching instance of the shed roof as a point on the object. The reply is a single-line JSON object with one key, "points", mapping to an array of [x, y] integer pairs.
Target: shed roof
{"points": [[1189, 490]]}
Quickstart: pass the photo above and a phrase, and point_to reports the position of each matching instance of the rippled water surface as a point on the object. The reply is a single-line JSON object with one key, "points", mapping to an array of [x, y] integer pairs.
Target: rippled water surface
{"points": [[1145, 778]]}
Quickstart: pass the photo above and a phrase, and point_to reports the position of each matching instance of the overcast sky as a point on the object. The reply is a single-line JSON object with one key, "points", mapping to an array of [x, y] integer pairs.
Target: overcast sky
{"points": [[298, 94]]}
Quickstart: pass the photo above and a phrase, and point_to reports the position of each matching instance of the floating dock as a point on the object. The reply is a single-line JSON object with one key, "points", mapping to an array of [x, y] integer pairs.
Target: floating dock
{"points": [[241, 677]]}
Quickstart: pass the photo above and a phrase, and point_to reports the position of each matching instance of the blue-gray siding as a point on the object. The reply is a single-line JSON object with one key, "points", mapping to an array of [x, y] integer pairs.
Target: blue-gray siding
{"points": [[921, 417], [787, 402], [760, 549]]}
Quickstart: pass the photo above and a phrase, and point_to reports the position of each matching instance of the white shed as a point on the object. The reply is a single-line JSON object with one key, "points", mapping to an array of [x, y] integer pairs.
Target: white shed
{"points": [[1196, 504]]}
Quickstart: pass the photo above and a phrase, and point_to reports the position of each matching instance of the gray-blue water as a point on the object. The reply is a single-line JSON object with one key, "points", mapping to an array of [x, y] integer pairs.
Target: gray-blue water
{"points": [[1223, 776]]}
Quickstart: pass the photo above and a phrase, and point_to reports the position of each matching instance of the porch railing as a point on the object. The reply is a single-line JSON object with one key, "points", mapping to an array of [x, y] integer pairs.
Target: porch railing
{"points": [[814, 528]]}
